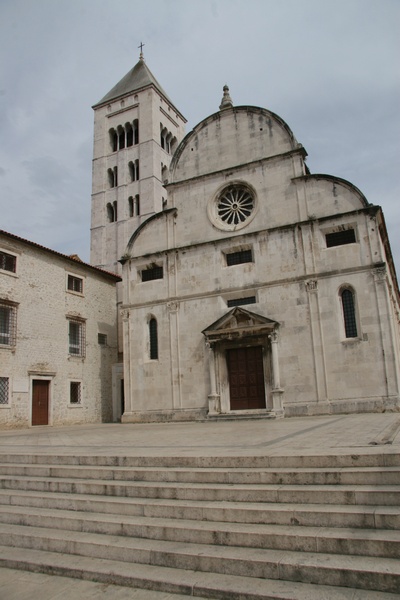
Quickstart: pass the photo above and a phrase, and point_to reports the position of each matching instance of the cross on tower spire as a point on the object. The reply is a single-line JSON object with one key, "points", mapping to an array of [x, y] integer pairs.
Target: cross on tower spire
{"points": [[141, 57]]}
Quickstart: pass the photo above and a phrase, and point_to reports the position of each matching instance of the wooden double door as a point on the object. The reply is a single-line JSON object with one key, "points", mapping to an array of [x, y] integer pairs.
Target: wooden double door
{"points": [[246, 378], [40, 401]]}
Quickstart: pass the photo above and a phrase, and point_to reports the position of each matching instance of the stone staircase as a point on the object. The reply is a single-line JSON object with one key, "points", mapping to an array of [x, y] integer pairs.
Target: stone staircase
{"points": [[243, 528]]}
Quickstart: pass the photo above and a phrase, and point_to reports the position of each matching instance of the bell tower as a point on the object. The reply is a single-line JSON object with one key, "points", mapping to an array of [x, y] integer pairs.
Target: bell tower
{"points": [[136, 130]]}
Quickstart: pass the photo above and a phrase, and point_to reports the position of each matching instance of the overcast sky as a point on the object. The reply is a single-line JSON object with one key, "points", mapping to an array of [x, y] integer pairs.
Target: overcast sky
{"points": [[329, 68]]}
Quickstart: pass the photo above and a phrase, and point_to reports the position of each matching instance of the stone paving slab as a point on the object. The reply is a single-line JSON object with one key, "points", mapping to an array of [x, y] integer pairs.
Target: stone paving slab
{"points": [[335, 434]]}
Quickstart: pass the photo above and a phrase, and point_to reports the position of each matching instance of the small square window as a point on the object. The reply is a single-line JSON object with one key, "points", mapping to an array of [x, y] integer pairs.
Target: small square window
{"points": [[75, 392], [75, 284], [4, 390], [241, 301], [237, 258], [340, 238], [8, 262], [102, 339], [152, 273]]}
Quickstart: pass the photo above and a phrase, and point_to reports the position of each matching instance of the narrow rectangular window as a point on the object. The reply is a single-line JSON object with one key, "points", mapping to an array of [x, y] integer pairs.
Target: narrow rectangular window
{"points": [[237, 258], [8, 322], [340, 238], [75, 284], [153, 336], [4, 390], [76, 338], [102, 339], [8, 262], [152, 273], [349, 313], [75, 392], [241, 301]]}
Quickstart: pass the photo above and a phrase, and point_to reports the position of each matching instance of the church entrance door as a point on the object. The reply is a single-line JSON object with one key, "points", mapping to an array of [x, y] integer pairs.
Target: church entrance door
{"points": [[40, 402], [246, 378]]}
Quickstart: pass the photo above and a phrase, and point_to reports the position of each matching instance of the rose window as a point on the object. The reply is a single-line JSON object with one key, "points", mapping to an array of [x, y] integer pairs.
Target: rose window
{"points": [[235, 205]]}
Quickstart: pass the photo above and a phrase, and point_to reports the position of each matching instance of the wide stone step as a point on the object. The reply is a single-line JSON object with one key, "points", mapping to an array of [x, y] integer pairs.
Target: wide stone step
{"points": [[169, 580], [382, 459], [361, 542], [381, 574], [311, 515], [283, 476], [315, 494]]}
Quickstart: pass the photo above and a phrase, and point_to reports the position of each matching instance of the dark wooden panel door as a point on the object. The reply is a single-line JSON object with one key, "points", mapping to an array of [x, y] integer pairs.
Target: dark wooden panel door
{"points": [[246, 378], [40, 402]]}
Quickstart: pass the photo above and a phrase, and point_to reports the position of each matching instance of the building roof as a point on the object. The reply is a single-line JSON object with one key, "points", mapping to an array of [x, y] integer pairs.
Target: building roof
{"points": [[73, 258], [138, 78]]}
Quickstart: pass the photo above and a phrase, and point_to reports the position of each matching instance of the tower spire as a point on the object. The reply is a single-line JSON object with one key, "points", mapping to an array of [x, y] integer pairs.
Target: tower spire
{"points": [[141, 57]]}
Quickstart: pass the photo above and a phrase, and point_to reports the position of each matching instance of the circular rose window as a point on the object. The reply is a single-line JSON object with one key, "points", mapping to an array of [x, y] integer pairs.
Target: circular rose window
{"points": [[233, 207]]}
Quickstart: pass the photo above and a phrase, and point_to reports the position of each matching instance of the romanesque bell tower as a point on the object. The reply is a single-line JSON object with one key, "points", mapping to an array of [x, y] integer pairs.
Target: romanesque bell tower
{"points": [[136, 130]]}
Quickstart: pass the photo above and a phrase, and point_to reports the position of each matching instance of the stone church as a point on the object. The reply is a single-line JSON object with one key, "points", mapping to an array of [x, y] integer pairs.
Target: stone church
{"points": [[250, 287]]}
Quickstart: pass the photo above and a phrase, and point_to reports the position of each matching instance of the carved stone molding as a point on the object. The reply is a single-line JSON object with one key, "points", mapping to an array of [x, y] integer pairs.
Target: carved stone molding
{"points": [[380, 274], [172, 307], [312, 285]]}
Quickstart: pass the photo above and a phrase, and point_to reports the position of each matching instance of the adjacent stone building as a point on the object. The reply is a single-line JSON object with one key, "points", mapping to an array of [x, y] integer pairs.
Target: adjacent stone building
{"points": [[260, 289], [58, 337]]}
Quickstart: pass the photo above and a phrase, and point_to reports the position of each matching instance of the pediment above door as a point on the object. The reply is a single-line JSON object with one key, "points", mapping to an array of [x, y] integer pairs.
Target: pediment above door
{"points": [[239, 323]]}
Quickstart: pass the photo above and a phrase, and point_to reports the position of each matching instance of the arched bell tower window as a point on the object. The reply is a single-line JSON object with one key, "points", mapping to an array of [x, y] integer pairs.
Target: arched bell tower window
{"points": [[153, 338], [134, 170], [121, 138], [135, 126], [112, 215], [129, 135], [349, 312], [113, 140]]}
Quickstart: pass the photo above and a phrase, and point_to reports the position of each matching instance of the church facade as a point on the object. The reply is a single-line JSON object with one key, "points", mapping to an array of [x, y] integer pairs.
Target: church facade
{"points": [[253, 287]]}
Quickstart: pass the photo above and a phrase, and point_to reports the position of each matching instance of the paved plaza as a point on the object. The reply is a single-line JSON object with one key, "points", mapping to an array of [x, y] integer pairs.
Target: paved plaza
{"points": [[338, 434], [322, 435]]}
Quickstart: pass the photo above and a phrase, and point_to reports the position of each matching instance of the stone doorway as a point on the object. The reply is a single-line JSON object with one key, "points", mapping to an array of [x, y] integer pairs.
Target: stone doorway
{"points": [[246, 378], [40, 401]]}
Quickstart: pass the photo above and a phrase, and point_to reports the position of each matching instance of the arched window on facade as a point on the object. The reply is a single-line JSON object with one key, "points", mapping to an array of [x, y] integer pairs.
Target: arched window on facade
{"points": [[174, 144], [129, 135], [153, 338], [163, 136], [111, 181], [135, 126], [110, 213], [134, 206], [164, 173], [121, 138], [113, 140], [134, 170], [349, 312]]}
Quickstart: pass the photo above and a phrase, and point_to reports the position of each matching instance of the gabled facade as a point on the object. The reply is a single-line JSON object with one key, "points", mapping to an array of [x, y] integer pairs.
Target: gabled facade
{"points": [[58, 337], [247, 224]]}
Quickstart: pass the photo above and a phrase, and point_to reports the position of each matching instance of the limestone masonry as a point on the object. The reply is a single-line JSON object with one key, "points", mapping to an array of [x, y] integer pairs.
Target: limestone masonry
{"points": [[244, 286]]}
